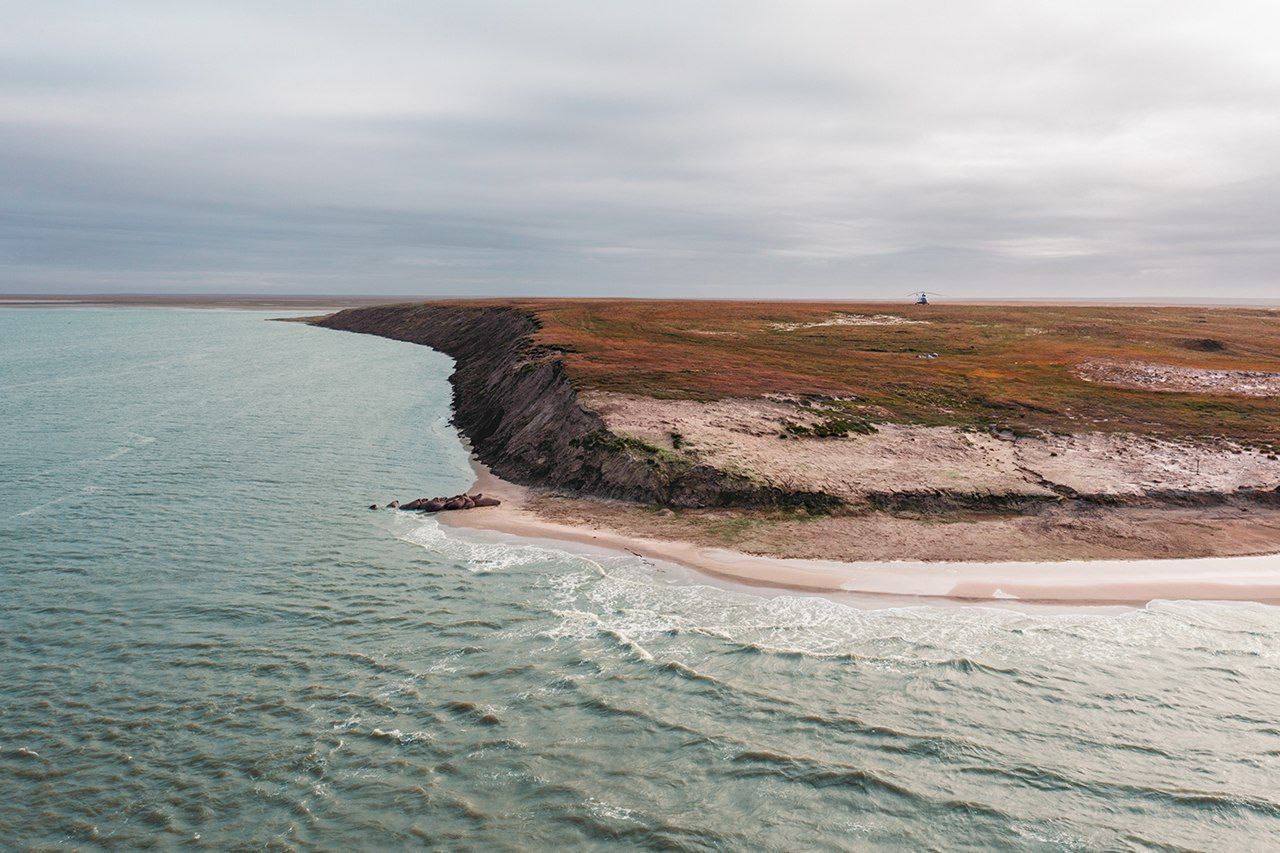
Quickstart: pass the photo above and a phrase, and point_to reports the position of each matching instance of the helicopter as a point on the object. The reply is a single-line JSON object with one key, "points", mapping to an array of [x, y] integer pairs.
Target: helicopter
{"points": [[922, 296]]}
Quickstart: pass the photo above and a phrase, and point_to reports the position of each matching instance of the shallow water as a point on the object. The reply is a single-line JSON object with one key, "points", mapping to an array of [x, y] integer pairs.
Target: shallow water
{"points": [[207, 637]]}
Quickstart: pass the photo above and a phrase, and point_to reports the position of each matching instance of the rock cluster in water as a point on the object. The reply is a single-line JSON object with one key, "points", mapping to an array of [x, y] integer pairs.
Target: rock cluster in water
{"points": [[463, 501]]}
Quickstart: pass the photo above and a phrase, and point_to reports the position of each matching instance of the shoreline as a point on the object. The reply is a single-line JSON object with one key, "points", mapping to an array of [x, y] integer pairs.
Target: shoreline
{"points": [[1247, 578], [195, 301]]}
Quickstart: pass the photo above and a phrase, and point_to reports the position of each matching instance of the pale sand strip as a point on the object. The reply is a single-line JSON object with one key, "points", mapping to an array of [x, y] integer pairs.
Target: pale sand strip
{"points": [[1093, 581]]}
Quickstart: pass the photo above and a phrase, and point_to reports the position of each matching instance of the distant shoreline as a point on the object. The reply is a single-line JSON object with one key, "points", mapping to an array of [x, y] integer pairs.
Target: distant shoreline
{"points": [[223, 301], [338, 301]]}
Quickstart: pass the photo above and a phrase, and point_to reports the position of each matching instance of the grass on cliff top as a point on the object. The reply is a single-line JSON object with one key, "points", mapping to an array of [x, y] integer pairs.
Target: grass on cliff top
{"points": [[996, 364]]}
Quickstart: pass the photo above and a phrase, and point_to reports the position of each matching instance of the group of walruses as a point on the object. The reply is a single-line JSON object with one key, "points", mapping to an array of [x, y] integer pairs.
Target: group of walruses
{"points": [[462, 501]]}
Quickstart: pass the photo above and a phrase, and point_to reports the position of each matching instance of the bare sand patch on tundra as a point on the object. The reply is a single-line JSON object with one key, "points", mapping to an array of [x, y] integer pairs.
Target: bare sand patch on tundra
{"points": [[851, 320], [751, 437], [1174, 378]]}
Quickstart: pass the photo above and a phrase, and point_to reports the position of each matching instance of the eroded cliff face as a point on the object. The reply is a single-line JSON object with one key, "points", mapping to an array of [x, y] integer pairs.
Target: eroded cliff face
{"points": [[515, 403]]}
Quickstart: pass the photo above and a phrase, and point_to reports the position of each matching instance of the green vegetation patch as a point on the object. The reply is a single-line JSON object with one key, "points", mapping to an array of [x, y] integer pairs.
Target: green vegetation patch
{"points": [[603, 439], [834, 427]]}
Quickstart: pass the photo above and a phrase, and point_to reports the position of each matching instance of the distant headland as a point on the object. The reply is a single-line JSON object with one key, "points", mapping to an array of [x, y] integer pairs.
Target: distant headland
{"points": [[847, 431]]}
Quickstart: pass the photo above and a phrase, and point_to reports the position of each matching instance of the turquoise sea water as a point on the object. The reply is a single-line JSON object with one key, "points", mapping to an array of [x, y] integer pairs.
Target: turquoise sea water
{"points": [[206, 639]]}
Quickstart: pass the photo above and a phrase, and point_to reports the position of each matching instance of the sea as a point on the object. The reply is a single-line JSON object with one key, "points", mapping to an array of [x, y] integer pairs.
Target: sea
{"points": [[208, 640]]}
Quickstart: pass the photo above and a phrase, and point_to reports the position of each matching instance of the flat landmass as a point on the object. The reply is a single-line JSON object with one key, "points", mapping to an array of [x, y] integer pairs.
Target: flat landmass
{"points": [[874, 431], [1018, 366]]}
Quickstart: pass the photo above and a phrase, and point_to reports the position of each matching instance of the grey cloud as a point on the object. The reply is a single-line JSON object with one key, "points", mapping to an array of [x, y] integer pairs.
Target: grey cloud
{"points": [[719, 149]]}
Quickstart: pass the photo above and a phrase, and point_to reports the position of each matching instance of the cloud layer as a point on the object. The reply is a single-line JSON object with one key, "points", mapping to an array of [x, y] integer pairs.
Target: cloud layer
{"points": [[713, 149]]}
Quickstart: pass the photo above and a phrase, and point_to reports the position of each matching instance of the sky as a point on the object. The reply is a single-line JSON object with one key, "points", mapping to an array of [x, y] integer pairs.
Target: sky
{"points": [[736, 149]]}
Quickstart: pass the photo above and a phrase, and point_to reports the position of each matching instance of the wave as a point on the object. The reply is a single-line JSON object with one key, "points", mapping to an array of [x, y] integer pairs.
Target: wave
{"points": [[84, 490], [688, 672], [820, 774], [484, 714], [399, 736], [628, 827], [477, 557]]}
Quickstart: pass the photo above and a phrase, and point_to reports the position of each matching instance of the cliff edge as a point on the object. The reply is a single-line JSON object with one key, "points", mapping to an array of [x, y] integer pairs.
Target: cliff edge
{"points": [[515, 402]]}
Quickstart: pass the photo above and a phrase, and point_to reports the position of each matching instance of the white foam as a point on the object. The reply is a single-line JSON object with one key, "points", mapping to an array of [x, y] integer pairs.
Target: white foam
{"points": [[651, 619], [399, 736], [479, 557]]}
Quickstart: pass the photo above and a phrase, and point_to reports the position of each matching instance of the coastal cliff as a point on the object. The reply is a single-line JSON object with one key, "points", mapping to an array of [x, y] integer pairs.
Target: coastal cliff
{"points": [[529, 420], [515, 403], [738, 414]]}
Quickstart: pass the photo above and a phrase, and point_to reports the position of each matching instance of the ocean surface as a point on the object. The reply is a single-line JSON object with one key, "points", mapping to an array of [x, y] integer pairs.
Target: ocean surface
{"points": [[207, 639]]}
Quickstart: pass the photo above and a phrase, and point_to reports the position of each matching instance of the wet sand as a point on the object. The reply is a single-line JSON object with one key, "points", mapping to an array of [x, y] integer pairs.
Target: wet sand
{"points": [[1250, 578]]}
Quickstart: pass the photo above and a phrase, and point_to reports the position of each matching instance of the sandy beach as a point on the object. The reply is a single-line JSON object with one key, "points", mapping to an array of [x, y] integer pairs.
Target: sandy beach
{"points": [[1246, 578]]}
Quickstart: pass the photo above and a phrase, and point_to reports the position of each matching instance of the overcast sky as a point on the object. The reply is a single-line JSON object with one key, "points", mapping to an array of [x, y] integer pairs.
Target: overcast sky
{"points": [[1061, 148]]}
